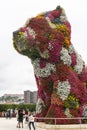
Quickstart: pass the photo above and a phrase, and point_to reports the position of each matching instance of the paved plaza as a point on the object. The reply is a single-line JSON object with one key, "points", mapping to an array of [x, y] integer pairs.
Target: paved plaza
{"points": [[10, 124]]}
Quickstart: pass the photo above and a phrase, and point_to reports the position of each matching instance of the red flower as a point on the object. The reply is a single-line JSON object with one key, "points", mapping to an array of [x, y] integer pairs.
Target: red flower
{"points": [[51, 17], [56, 13], [73, 57], [83, 75], [69, 27], [62, 71], [42, 63]]}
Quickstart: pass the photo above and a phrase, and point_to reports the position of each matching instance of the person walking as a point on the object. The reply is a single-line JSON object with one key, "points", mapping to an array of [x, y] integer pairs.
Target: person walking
{"points": [[20, 118], [31, 121]]}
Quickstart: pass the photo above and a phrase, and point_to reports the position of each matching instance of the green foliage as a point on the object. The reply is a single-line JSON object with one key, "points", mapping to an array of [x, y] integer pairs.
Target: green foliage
{"points": [[50, 85], [58, 7], [84, 121], [5, 107], [31, 54]]}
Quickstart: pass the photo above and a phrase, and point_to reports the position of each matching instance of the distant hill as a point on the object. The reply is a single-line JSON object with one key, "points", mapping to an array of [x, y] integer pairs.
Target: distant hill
{"points": [[12, 98]]}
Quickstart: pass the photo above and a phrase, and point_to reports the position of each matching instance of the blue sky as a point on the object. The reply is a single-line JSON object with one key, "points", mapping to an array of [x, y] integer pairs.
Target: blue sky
{"points": [[16, 72]]}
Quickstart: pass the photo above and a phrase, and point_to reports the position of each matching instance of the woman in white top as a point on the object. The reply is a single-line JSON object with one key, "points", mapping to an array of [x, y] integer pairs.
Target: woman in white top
{"points": [[31, 121]]}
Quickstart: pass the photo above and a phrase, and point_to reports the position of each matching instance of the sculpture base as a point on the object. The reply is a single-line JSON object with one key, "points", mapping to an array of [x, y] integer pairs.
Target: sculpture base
{"points": [[43, 126]]}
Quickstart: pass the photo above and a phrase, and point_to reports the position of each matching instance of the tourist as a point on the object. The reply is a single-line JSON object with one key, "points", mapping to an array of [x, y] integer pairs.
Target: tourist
{"points": [[31, 121], [20, 118]]}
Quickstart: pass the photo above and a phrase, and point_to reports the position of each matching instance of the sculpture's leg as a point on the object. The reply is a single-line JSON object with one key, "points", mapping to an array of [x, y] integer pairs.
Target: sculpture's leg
{"points": [[44, 93]]}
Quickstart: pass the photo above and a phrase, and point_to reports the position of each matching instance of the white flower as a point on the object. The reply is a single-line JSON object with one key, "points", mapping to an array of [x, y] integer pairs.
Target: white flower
{"points": [[67, 113], [50, 23], [71, 49], [50, 46], [31, 32], [63, 89], [79, 62], [43, 72], [63, 16], [39, 105], [65, 57], [84, 111], [24, 35], [79, 66]]}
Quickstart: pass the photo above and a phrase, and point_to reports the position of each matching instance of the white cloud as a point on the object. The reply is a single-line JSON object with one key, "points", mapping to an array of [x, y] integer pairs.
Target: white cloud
{"points": [[16, 72]]}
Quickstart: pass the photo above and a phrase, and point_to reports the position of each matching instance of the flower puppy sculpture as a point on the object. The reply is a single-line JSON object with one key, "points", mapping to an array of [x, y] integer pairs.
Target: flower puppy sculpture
{"points": [[60, 72]]}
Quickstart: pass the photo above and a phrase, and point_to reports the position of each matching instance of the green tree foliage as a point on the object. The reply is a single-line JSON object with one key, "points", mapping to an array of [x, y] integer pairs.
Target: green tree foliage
{"points": [[5, 107]]}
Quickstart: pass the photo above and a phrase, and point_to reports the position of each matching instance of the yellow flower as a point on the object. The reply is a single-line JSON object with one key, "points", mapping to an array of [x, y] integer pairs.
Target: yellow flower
{"points": [[72, 100], [63, 29], [20, 33], [67, 41]]}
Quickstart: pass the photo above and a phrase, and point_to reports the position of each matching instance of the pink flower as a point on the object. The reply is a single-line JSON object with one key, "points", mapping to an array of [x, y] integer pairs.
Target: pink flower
{"points": [[73, 57], [56, 13], [68, 26], [83, 76], [55, 51], [42, 63], [51, 17]]}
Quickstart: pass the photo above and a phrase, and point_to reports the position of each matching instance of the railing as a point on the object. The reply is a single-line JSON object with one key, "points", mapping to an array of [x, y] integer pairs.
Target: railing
{"points": [[55, 119]]}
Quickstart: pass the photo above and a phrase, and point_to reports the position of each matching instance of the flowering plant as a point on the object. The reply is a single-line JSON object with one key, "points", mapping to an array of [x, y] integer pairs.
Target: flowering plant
{"points": [[60, 72], [72, 102]]}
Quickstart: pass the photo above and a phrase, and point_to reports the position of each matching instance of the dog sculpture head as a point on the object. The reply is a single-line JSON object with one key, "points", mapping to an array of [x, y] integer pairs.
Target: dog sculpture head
{"points": [[44, 35]]}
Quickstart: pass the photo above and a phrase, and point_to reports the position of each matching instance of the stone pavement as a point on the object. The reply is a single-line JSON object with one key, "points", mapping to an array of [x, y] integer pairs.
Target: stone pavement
{"points": [[10, 124]]}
